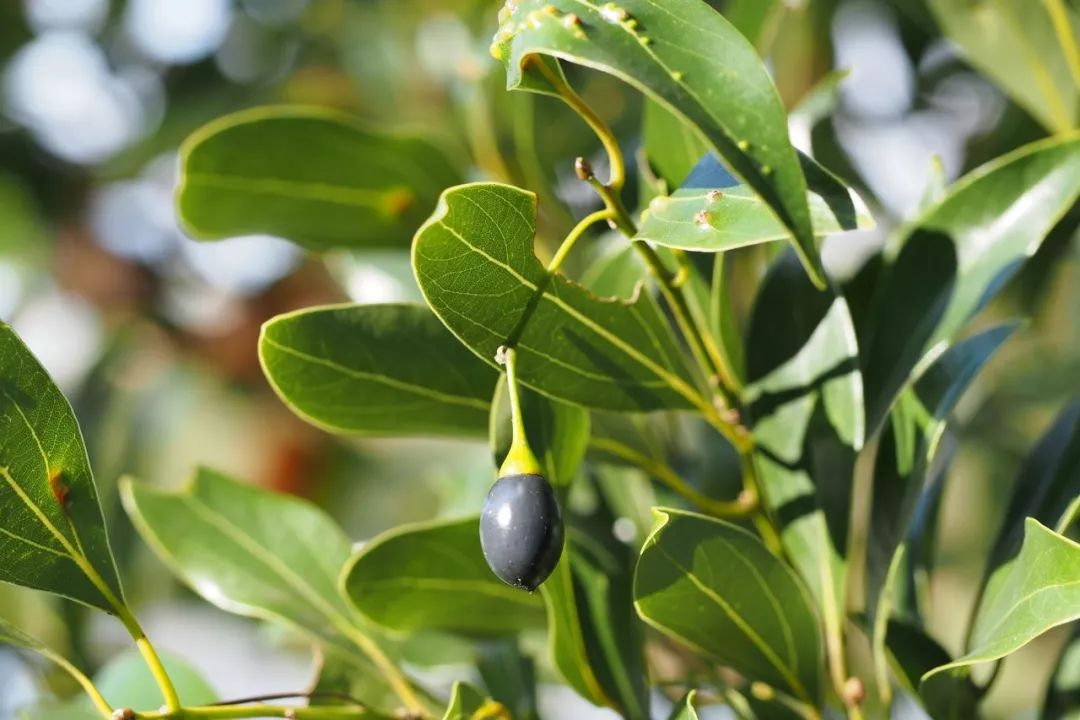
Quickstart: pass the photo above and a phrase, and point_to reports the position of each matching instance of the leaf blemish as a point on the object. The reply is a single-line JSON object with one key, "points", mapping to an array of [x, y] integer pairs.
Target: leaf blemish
{"points": [[59, 488]]}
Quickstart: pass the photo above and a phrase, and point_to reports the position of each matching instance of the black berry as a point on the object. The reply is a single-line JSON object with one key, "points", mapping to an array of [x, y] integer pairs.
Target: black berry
{"points": [[521, 530]]}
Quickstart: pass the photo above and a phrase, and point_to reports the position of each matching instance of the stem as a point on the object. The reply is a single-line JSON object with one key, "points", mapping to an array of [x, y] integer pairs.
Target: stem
{"points": [[224, 712], [100, 703], [552, 268], [131, 624], [747, 504], [393, 675], [603, 132], [520, 460], [1059, 16], [1069, 516]]}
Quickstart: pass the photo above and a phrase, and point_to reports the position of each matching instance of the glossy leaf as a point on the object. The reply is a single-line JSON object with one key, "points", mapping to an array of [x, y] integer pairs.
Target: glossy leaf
{"points": [[684, 709], [255, 553], [468, 703], [726, 218], [1048, 482], [685, 56], [510, 677], [804, 401], [475, 264], [672, 147], [959, 254], [376, 370], [52, 533], [1041, 591], [912, 653], [432, 576], [907, 450], [313, 176], [716, 588], [1014, 43]]}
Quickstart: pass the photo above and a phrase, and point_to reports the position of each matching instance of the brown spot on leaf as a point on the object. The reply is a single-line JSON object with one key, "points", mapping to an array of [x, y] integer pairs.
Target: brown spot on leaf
{"points": [[59, 488]]}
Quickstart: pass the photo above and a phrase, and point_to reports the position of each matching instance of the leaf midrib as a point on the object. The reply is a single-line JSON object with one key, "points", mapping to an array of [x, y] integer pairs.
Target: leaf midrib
{"points": [[378, 378], [674, 382], [294, 189], [740, 622]]}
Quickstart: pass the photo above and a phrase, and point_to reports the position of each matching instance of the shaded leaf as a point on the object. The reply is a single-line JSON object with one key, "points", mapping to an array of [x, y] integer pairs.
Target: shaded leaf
{"points": [[474, 262], [715, 588], [958, 255], [1041, 591], [912, 653], [1048, 482], [52, 533], [467, 703], [432, 576], [376, 370], [903, 464], [685, 56], [259, 554], [672, 147], [126, 682], [728, 217], [1036, 73], [684, 709], [1063, 694], [510, 677], [310, 175], [804, 400]]}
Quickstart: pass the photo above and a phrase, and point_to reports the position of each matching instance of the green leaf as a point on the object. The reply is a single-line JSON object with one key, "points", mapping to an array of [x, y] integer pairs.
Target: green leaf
{"points": [[958, 255], [1014, 43], [907, 450], [715, 588], [684, 709], [804, 402], [256, 553], [672, 147], [558, 433], [313, 176], [376, 370], [432, 576], [1063, 694], [1048, 482], [126, 682], [474, 262], [715, 219], [510, 677], [52, 533], [912, 653], [11, 635], [1041, 591], [685, 56], [468, 703]]}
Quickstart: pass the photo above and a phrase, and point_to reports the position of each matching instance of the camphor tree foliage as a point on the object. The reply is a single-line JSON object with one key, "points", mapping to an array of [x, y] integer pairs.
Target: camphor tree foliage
{"points": [[579, 380]]}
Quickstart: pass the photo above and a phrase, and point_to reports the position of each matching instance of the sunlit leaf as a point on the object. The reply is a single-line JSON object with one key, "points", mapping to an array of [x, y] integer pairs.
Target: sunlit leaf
{"points": [[804, 400], [475, 264], [313, 176], [1015, 43], [685, 56], [368, 370], [1041, 591], [259, 554], [958, 255], [716, 589], [52, 533], [432, 576]]}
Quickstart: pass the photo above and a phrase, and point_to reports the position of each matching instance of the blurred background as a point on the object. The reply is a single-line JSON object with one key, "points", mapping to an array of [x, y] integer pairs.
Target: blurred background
{"points": [[153, 336]]}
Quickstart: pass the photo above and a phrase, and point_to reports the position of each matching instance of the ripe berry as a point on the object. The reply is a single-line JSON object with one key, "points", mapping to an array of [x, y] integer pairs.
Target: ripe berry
{"points": [[521, 530]]}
